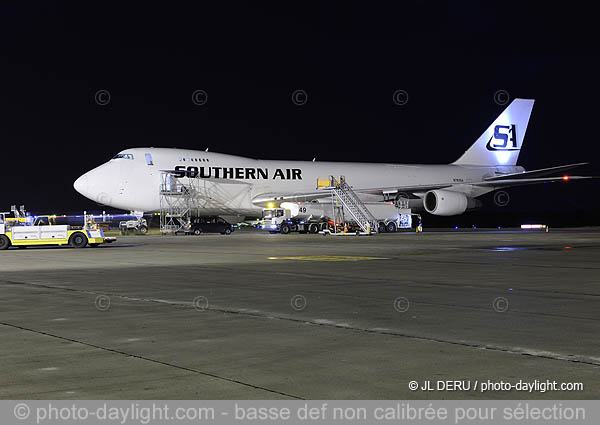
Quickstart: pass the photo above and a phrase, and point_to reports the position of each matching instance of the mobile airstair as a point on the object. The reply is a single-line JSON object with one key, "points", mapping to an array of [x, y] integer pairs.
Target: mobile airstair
{"points": [[344, 193], [182, 198], [175, 204]]}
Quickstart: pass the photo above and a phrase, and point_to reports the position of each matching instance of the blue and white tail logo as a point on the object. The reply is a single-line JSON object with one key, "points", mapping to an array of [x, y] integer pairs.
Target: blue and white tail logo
{"points": [[501, 143], [503, 139]]}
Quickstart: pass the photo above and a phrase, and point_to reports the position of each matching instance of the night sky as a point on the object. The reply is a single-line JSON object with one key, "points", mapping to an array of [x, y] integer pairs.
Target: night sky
{"points": [[249, 57]]}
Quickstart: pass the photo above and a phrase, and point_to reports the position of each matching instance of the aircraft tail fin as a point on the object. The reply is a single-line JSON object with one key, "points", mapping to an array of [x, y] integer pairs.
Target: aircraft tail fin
{"points": [[501, 143]]}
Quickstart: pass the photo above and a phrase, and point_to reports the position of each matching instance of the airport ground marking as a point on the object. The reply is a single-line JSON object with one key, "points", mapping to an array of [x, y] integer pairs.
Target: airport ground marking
{"points": [[326, 258]]}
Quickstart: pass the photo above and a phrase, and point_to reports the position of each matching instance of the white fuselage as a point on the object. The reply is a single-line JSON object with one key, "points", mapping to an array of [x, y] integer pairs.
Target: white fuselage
{"points": [[131, 181]]}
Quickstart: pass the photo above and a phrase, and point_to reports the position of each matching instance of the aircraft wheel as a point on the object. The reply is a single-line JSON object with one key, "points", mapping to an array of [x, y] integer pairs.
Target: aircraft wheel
{"points": [[391, 227], [78, 240], [285, 228], [4, 242], [382, 227]]}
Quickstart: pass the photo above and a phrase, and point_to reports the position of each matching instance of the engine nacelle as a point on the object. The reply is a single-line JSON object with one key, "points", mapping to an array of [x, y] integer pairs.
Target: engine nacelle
{"points": [[446, 202]]}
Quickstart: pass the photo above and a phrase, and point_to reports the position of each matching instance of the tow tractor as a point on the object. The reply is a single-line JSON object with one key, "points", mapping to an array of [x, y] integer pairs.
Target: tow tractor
{"points": [[20, 231]]}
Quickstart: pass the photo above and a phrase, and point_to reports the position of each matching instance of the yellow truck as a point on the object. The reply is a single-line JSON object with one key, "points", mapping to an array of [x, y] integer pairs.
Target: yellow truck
{"points": [[18, 233]]}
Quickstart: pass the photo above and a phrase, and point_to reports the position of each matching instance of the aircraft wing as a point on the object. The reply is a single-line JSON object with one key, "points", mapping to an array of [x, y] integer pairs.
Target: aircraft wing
{"points": [[525, 181], [535, 173], [419, 191], [532, 177]]}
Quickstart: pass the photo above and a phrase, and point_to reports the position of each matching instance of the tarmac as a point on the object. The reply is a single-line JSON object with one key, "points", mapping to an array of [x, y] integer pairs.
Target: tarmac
{"points": [[259, 316]]}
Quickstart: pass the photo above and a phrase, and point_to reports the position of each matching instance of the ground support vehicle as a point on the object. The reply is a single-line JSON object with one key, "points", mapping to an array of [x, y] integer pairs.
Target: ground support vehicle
{"points": [[21, 234]]}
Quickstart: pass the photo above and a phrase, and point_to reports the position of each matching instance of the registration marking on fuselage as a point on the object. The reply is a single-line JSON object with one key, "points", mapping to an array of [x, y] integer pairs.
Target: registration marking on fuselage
{"points": [[327, 258]]}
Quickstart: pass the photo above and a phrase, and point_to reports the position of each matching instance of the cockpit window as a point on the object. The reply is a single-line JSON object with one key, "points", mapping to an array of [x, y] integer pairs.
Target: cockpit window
{"points": [[123, 156]]}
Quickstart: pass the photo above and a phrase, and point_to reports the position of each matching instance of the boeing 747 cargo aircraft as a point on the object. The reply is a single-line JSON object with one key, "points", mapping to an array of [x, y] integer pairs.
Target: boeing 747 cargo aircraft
{"points": [[239, 186]]}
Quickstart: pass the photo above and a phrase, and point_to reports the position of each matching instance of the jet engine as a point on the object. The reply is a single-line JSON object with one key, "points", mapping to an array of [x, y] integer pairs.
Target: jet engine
{"points": [[447, 202]]}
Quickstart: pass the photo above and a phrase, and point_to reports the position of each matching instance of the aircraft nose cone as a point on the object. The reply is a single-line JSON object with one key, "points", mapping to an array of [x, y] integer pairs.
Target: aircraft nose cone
{"points": [[81, 184]]}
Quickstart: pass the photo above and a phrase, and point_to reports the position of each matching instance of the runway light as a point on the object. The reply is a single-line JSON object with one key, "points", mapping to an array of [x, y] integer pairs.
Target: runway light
{"points": [[566, 178], [532, 226]]}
